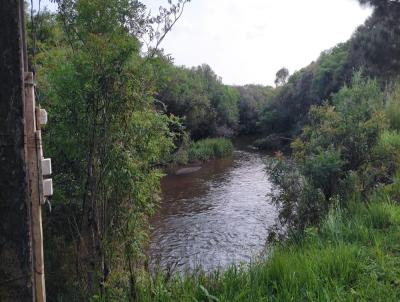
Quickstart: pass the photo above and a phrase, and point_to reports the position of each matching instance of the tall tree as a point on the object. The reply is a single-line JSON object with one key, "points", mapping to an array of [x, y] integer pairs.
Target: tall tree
{"points": [[281, 76], [380, 3], [106, 138]]}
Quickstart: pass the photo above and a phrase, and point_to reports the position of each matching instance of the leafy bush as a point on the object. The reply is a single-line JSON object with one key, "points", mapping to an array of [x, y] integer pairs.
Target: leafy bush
{"points": [[323, 170], [300, 204], [106, 140], [336, 157]]}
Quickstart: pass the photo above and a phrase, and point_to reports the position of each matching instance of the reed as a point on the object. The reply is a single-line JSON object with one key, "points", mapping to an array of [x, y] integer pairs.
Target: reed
{"points": [[210, 148]]}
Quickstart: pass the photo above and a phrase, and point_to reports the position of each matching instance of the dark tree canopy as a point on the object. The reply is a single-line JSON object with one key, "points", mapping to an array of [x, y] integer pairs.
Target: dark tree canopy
{"points": [[379, 3], [373, 48]]}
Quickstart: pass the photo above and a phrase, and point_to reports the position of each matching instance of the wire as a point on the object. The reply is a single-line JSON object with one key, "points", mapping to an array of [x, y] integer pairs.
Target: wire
{"points": [[34, 28], [33, 31]]}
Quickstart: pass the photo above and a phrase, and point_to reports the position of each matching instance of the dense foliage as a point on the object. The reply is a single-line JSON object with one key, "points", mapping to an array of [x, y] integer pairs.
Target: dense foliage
{"points": [[346, 131], [373, 48], [205, 105], [252, 102], [106, 140], [339, 193], [116, 115], [197, 95], [118, 112], [339, 155]]}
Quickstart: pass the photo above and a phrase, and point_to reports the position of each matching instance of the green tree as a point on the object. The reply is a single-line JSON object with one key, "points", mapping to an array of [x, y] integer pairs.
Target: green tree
{"points": [[373, 48], [106, 139], [335, 156], [252, 101], [281, 76], [351, 126], [198, 96]]}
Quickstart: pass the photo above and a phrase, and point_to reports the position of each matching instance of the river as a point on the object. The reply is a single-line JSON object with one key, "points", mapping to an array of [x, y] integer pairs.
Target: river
{"points": [[214, 217]]}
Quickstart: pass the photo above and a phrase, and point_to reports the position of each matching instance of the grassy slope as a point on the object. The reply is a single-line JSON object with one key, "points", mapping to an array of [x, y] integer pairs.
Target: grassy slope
{"points": [[353, 256]]}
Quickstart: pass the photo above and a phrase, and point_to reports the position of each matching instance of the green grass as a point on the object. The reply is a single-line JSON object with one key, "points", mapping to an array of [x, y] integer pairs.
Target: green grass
{"points": [[353, 256], [210, 148]]}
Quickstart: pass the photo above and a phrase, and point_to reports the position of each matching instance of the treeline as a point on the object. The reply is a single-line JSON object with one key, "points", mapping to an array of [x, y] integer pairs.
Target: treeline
{"points": [[278, 114], [197, 95], [207, 107], [373, 48], [342, 113]]}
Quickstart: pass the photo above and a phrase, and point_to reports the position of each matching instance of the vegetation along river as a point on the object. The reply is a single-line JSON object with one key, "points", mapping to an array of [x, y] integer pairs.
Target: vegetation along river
{"points": [[214, 217]]}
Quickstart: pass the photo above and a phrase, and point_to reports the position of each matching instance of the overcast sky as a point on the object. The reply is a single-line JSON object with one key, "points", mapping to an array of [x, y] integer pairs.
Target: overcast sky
{"points": [[247, 41]]}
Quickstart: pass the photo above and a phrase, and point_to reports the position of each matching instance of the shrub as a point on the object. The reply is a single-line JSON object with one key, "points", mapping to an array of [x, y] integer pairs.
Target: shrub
{"points": [[335, 154], [300, 204], [323, 170]]}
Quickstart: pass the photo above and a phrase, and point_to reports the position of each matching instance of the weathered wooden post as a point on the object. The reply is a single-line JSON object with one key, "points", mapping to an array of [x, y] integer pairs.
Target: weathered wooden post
{"points": [[22, 166], [34, 161]]}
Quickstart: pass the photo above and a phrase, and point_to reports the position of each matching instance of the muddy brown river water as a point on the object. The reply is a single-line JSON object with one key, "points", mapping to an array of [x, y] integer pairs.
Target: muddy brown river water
{"points": [[214, 217]]}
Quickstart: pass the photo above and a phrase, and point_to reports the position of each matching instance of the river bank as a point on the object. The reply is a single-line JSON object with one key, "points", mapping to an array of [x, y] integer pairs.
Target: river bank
{"points": [[191, 156], [352, 256]]}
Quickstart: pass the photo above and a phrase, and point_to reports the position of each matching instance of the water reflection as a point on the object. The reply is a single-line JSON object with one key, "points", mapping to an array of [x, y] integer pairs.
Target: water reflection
{"points": [[214, 217]]}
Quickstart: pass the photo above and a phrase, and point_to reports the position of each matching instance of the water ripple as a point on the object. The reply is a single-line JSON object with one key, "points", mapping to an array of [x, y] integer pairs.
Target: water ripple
{"points": [[214, 217]]}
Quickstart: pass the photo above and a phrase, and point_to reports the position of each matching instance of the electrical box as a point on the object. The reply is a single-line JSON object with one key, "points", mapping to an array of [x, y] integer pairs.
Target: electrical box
{"points": [[47, 187], [46, 166], [43, 117]]}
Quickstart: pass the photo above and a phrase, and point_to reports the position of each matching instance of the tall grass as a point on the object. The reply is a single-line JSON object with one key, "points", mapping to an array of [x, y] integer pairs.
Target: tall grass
{"points": [[210, 148], [353, 256], [392, 111]]}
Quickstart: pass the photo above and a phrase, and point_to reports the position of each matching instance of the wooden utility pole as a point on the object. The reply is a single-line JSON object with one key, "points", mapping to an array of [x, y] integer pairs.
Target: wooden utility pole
{"points": [[22, 187], [33, 161], [16, 259]]}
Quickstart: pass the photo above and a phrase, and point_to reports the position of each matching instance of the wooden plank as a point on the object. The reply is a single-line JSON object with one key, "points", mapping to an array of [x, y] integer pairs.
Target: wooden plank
{"points": [[33, 138]]}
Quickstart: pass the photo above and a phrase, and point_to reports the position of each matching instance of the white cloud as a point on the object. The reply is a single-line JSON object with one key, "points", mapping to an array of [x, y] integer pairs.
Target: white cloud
{"points": [[43, 4], [248, 41]]}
